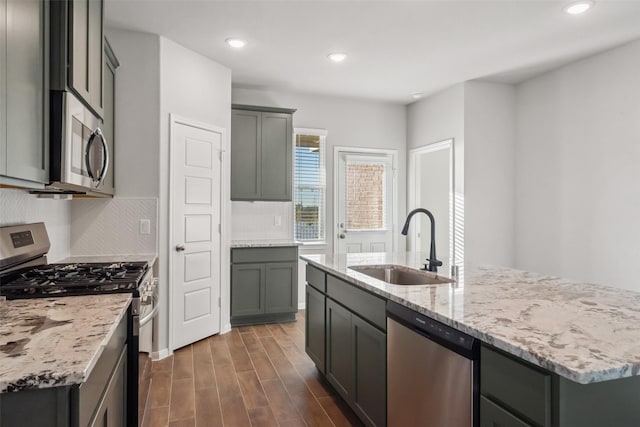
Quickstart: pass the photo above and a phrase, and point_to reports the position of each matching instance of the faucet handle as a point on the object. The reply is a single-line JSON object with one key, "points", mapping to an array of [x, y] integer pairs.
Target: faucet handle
{"points": [[435, 262]]}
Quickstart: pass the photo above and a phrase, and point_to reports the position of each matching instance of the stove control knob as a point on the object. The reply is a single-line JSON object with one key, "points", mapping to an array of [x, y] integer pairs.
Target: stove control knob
{"points": [[179, 248]]}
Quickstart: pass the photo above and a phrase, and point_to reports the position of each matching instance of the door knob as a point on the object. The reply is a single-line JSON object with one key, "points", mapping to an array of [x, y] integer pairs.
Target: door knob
{"points": [[179, 248], [342, 235]]}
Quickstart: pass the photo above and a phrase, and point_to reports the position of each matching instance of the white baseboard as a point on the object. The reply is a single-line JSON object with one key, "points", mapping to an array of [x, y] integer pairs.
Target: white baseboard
{"points": [[161, 354], [225, 328], [302, 305]]}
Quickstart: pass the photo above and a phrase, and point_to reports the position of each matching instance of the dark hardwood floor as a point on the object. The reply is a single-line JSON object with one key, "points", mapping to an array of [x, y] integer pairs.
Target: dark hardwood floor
{"points": [[251, 376]]}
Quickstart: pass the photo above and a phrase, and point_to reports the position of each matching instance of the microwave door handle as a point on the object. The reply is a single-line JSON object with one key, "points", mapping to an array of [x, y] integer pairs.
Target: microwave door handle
{"points": [[87, 158], [105, 163], [87, 155]]}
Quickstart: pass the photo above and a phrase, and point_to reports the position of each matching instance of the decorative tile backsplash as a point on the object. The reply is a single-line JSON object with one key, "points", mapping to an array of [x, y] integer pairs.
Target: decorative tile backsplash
{"points": [[112, 226]]}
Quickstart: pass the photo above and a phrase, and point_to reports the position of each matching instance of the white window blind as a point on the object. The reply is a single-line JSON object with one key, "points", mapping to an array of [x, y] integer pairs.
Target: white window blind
{"points": [[310, 188]]}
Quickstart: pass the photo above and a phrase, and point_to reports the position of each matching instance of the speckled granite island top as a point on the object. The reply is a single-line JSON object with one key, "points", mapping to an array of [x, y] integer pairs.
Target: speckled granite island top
{"points": [[583, 332], [264, 243], [51, 342]]}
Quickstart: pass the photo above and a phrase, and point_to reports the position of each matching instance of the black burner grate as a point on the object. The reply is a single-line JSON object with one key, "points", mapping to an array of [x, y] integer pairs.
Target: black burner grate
{"points": [[54, 280]]}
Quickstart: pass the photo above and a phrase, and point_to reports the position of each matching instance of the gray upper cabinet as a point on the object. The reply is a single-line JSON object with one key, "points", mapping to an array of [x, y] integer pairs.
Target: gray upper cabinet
{"points": [[24, 90], [108, 127], [86, 51], [261, 153], [77, 53]]}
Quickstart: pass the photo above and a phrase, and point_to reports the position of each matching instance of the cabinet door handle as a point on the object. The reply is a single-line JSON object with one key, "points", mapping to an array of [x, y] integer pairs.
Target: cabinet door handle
{"points": [[179, 248]]}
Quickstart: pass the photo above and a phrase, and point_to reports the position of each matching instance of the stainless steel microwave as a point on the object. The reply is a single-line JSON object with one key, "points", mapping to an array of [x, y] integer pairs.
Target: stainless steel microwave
{"points": [[80, 158]]}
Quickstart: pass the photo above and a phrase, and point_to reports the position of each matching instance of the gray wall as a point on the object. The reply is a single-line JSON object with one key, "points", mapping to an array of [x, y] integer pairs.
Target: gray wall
{"points": [[489, 173], [137, 134], [437, 118], [578, 174]]}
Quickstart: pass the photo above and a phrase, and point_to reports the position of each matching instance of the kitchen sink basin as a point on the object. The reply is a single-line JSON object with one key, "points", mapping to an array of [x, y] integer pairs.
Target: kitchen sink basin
{"points": [[400, 275]]}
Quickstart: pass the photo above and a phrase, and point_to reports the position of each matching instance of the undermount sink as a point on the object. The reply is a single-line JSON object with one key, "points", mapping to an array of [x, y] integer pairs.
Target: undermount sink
{"points": [[400, 275]]}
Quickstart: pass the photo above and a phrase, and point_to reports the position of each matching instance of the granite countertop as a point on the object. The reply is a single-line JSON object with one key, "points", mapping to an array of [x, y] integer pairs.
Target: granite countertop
{"points": [[51, 342], [586, 333], [264, 243]]}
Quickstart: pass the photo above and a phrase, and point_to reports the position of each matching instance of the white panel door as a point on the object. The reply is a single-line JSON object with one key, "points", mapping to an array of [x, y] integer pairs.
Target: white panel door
{"points": [[365, 199], [196, 216]]}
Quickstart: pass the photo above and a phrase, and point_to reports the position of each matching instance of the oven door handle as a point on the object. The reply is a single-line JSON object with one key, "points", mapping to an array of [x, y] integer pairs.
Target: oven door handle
{"points": [[146, 319]]}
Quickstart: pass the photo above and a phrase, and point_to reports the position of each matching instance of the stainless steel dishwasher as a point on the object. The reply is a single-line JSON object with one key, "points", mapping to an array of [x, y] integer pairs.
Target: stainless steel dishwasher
{"points": [[432, 372]]}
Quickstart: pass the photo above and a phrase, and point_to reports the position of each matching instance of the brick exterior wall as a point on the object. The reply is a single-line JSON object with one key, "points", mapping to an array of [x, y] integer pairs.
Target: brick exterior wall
{"points": [[365, 196]]}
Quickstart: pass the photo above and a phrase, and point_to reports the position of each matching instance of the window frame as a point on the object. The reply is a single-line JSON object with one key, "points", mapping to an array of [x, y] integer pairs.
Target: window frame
{"points": [[322, 210]]}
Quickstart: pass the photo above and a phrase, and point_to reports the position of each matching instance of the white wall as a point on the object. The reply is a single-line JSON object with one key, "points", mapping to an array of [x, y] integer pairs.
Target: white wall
{"points": [[197, 88], [578, 174], [489, 173], [433, 119], [20, 207]]}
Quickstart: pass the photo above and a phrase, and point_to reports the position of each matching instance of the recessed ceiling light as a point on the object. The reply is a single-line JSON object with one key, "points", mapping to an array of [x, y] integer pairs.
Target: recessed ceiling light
{"points": [[235, 42], [578, 7], [416, 95], [337, 56]]}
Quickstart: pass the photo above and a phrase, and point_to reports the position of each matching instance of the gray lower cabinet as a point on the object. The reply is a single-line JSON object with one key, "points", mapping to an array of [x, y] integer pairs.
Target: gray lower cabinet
{"points": [[99, 401], [514, 393], [261, 153], [346, 339], [24, 92], [264, 285]]}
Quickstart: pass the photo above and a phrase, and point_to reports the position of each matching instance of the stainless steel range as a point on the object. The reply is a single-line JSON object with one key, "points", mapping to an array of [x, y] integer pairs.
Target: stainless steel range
{"points": [[25, 273]]}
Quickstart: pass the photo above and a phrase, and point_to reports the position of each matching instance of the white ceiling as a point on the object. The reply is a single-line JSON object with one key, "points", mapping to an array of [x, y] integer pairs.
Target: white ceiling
{"points": [[395, 48]]}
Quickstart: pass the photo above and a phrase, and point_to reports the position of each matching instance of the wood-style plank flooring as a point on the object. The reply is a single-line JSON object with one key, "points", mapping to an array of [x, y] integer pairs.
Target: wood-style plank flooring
{"points": [[251, 376]]}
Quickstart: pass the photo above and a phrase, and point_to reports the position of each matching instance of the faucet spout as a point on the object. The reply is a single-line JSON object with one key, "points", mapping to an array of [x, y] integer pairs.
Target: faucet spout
{"points": [[432, 263]]}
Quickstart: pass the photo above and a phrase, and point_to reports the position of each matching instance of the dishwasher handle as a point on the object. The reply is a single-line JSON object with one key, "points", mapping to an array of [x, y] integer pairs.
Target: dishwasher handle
{"points": [[445, 335]]}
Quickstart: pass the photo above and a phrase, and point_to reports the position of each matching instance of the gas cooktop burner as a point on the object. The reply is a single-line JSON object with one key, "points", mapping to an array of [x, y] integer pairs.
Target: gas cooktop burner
{"points": [[52, 280]]}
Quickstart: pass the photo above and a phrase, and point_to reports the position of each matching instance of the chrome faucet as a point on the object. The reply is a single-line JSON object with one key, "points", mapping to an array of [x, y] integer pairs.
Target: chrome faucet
{"points": [[432, 262]]}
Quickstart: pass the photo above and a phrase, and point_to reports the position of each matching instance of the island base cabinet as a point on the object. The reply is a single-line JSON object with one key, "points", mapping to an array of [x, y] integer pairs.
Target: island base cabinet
{"points": [[492, 415], [314, 327], [340, 370], [515, 393], [356, 363], [370, 357]]}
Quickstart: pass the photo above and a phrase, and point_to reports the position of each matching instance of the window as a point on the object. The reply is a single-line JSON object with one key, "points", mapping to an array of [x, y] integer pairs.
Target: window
{"points": [[365, 195], [310, 186]]}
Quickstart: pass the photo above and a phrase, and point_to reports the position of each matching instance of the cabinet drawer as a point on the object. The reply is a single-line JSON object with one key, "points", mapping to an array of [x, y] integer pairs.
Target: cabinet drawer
{"points": [[492, 415], [273, 254], [316, 278], [361, 302], [523, 390]]}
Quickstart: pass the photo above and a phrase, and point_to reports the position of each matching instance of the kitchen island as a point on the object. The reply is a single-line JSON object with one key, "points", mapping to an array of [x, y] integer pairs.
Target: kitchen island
{"points": [[582, 339], [58, 355]]}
